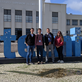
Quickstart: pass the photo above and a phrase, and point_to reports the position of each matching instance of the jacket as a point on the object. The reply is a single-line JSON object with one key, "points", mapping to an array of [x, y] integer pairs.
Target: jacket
{"points": [[30, 40], [58, 41], [46, 39]]}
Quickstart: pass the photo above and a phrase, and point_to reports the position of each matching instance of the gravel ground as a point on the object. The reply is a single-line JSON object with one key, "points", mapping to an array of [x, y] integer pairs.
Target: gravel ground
{"points": [[66, 72], [35, 73]]}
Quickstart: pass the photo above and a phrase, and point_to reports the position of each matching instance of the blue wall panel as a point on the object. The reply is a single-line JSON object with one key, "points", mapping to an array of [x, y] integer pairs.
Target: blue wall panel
{"points": [[7, 38], [76, 44], [68, 46]]}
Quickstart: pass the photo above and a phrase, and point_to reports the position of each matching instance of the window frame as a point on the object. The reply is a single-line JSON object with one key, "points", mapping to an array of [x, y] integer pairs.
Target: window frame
{"points": [[55, 17], [7, 15], [18, 16], [54, 33], [80, 23], [29, 16], [37, 16], [74, 20], [67, 22]]}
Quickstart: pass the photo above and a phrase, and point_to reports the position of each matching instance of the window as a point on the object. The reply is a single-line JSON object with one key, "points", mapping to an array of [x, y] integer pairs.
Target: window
{"points": [[54, 31], [7, 15], [68, 22], [37, 17], [54, 17], [74, 22], [36, 30], [18, 33], [27, 31], [81, 22], [68, 33], [18, 15], [28, 16]]}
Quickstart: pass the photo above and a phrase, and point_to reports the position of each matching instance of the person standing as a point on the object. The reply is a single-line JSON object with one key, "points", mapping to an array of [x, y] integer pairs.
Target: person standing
{"points": [[39, 45], [49, 41], [30, 42], [59, 41]]}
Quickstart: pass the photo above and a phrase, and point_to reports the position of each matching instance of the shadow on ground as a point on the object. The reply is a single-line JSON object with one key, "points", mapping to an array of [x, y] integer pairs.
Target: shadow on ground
{"points": [[2, 73], [57, 73]]}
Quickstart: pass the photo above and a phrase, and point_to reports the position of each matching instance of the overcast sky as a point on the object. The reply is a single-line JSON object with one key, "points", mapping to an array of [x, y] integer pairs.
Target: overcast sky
{"points": [[73, 6]]}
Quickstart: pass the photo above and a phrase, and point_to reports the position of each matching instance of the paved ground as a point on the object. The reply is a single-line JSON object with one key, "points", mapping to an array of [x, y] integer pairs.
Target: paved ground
{"points": [[66, 72], [17, 54]]}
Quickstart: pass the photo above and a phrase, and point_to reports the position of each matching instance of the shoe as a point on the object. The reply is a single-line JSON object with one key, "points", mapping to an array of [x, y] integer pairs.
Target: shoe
{"points": [[31, 63], [61, 61], [58, 61], [42, 62], [46, 62], [53, 62], [38, 62], [27, 63]]}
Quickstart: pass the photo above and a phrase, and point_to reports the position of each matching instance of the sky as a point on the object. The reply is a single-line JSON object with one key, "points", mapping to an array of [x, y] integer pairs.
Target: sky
{"points": [[73, 6]]}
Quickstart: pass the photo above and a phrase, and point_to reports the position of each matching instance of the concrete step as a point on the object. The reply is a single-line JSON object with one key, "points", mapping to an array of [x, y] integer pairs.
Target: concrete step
{"points": [[23, 60]]}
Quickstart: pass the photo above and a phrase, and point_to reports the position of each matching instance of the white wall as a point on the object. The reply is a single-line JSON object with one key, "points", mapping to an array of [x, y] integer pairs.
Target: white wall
{"points": [[75, 17], [32, 5], [61, 9]]}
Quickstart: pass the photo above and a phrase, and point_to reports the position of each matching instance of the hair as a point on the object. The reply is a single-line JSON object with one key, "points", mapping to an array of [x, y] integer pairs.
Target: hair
{"points": [[39, 29], [48, 28], [62, 39], [32, 28]]}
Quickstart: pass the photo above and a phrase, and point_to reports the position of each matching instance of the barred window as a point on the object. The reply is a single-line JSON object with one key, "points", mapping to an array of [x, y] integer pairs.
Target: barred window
{"points": [[27, 31], [81, 22], [36, 30], [29, 17], [37, 17], [74, 22], [54, 32], [68, 21], [18, 15], [7, 15], [54, 17]]}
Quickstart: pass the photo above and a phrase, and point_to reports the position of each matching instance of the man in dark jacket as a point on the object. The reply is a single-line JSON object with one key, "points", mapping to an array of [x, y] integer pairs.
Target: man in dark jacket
{"points": [[49, 40], [30, 41]]}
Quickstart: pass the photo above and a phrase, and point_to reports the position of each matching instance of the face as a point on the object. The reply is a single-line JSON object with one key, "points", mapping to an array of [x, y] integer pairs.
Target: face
{"points": [[32, 30], [39, 31], [48, 31], [58, 33]]}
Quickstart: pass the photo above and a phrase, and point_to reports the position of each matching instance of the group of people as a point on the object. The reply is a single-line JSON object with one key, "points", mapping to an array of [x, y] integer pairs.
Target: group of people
{"points": [[38, 41]]}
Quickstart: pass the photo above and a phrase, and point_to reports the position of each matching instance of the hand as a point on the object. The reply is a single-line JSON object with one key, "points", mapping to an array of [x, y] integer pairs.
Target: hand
{"points": [[57, 46], [35, 47], [49, 43], [26, 44]]}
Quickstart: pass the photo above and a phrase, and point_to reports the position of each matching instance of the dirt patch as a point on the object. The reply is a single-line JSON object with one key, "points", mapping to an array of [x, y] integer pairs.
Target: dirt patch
{"points": [[59, 73]]}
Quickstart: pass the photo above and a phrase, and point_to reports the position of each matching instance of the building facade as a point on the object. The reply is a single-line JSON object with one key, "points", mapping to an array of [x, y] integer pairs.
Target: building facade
{"points": [[73, 21], [21, 15]]}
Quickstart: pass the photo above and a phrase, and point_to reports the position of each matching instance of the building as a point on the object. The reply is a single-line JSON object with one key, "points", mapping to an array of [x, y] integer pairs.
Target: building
{"points": [[73, 21], [21, 15]]}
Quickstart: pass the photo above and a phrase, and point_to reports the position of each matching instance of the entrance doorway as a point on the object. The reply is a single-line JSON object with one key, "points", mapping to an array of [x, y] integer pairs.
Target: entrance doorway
{"points": [[18, 33]]}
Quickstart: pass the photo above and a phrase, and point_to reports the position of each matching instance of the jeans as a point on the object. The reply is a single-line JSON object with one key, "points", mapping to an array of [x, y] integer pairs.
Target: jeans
{"points": [[30, 50], [40, 49], [60, 54], [47, 52]]}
